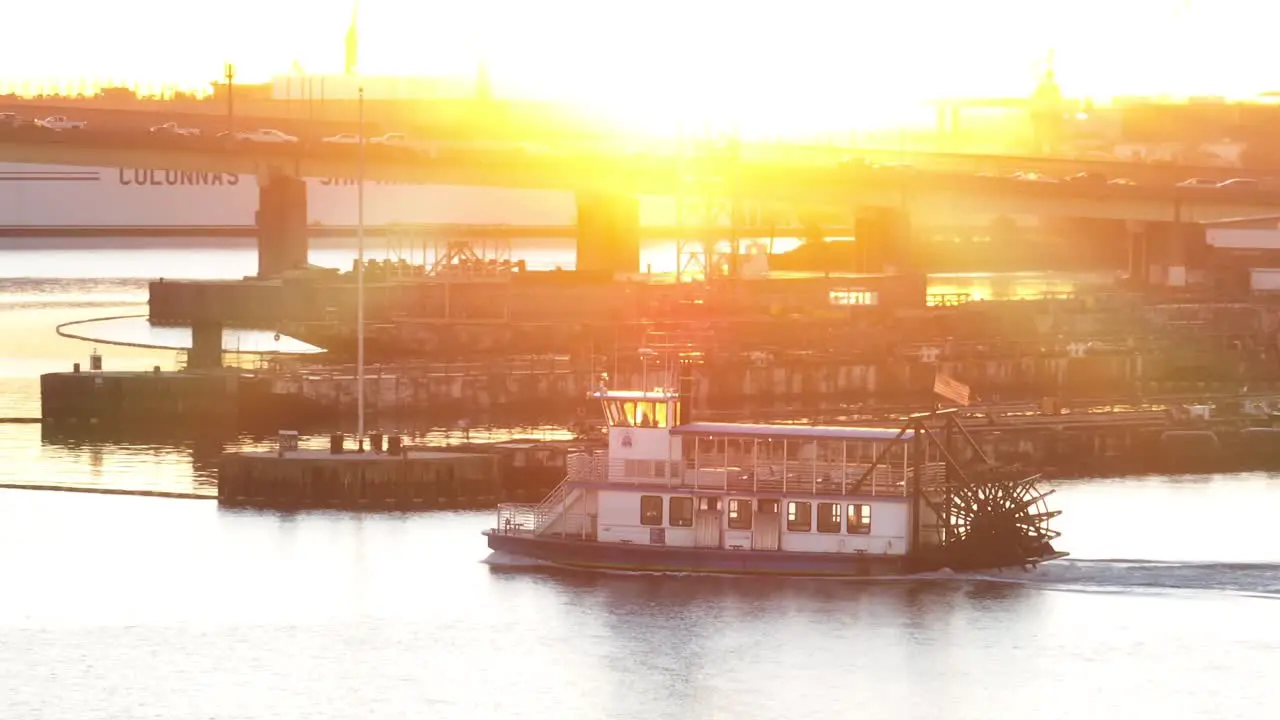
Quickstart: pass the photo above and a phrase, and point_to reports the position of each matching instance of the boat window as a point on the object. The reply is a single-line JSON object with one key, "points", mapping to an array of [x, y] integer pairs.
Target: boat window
{"points": [[859, 519], [739, 514], [710, 504], [616, 414], [769, 451], [799, 516], [829, 517], [645, 415], [681, 512], [650, 509], [767, 507], [801, 451], [661, 417], [629, 413], [689, 448]]}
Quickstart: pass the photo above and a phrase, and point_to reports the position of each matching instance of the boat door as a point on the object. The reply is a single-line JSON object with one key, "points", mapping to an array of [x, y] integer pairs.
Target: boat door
{"points": [[767, 533], [707, 523]]}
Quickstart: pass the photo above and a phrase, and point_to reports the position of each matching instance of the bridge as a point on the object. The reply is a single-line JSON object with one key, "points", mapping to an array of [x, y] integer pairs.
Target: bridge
{"points": [[939, 193], [132, 124]]}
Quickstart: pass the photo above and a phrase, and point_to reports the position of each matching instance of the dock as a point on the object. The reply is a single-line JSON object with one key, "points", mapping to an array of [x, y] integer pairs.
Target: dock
{"points": [[395, 477], [387, 481], [138, 397]]}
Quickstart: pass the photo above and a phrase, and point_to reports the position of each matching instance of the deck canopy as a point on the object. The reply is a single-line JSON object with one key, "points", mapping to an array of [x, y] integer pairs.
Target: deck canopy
{"points": [[812, 432]]}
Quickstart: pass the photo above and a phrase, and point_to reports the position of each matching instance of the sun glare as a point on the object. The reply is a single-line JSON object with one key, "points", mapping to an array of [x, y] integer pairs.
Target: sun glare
{"points": [[666, 66]]}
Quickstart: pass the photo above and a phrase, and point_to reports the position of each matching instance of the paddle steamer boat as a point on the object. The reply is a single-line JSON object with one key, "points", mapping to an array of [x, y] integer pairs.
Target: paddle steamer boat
{"points": [[711, 497]]}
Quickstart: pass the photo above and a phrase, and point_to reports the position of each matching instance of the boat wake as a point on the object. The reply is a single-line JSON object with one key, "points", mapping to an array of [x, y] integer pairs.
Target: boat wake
{"points": [[1127, 575], [1261, 580]]}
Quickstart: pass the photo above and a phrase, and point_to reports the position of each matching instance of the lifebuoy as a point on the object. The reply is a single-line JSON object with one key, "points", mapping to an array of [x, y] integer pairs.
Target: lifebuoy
{"points": [[277, 336]]}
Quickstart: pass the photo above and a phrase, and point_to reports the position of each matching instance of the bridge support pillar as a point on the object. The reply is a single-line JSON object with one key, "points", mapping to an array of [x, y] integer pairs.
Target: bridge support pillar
{"points": [[282, 223], [882, 238], [1166, 254], [206, 345], [1139, 272], [1175, 255], [884, 243], [608, 233]]}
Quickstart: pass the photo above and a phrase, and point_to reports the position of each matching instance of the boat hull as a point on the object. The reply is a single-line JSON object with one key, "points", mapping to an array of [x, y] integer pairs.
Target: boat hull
{"points": [[590, 555]]}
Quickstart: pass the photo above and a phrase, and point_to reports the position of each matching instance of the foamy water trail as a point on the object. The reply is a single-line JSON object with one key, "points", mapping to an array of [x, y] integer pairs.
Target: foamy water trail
{"points": [[1079, 575], [1130, 575]]}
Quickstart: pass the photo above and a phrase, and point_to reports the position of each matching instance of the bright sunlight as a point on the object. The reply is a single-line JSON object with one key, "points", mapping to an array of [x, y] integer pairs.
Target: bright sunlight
{"points": [[765, 68]]}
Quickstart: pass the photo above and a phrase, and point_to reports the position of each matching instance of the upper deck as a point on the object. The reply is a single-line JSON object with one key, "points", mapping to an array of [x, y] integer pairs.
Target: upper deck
{"points": [[649, 446]]}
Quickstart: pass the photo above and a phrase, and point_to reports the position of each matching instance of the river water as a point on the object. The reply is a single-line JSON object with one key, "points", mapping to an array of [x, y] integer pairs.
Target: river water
{"points": [[118, 607]]}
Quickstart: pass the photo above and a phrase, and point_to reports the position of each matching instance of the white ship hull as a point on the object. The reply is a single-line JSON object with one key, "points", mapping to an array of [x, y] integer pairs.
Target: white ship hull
{"points": [[54, 196]]}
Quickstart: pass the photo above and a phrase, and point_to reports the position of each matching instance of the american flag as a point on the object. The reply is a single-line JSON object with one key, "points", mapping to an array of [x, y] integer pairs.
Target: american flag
{"points": [[950, 388], [353, 40]]}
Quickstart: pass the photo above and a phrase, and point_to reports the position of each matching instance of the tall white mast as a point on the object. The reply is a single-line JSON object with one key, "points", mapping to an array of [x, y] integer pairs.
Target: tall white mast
{"points": [[360, 283]]}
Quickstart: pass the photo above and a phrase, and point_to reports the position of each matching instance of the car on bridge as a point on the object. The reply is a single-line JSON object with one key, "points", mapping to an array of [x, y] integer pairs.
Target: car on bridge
{"points": [[1198, 183], [1086, 178], [60, 122], [175, 130], [1240, 184], [263, 135], [392, 140], [1032, 177], [397, 142]]}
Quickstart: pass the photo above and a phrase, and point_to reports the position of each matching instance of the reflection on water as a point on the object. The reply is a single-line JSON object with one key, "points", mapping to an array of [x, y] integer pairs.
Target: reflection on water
{"points": [[115, 604], [254, 616]]}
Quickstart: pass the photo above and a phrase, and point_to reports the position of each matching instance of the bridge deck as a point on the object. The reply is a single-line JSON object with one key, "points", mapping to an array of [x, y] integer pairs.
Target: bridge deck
{"points": [[921, 193]]}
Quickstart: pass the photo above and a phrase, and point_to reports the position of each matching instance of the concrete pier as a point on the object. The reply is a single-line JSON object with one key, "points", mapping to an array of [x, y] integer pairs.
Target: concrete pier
{"points": [[137, 398], [312, 479]]}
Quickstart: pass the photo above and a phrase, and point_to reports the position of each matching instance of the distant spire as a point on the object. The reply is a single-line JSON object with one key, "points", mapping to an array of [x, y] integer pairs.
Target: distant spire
{"points": [[353, 40], [296, 69]]}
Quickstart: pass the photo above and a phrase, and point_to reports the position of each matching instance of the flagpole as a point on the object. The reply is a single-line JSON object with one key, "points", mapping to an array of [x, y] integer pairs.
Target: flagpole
{"points": [[360, 281]]}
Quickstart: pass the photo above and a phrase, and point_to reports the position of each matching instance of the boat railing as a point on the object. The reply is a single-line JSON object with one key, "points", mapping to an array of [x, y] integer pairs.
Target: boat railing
{"points": [[533, 518], [539, 518], [520, 518], [791, 479], [659, 472], [591, 467]]}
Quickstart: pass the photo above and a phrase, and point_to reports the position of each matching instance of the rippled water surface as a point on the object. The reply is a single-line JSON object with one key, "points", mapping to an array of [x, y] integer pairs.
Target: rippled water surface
{"points": [[125, 607]]}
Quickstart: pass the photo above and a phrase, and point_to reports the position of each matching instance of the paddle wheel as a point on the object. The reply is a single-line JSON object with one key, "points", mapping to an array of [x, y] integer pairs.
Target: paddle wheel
{"points": [[997, 518], [970, 513]]}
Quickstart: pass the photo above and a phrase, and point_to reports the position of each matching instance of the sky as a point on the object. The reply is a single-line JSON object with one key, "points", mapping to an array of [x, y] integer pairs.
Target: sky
{"points": [[652, 56]]}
